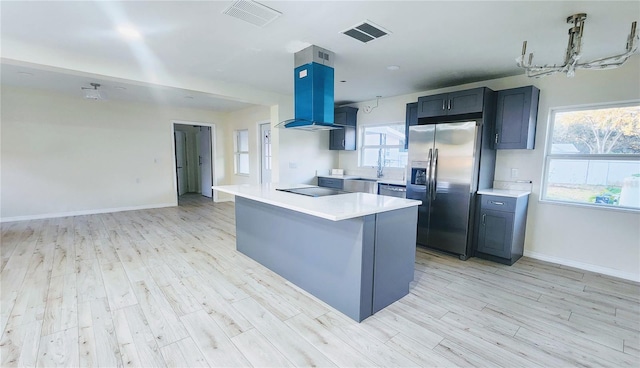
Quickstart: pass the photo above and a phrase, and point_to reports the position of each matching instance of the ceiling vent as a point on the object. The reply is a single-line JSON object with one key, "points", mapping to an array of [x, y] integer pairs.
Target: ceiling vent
{"points": [[366, 31], [252, 12]]}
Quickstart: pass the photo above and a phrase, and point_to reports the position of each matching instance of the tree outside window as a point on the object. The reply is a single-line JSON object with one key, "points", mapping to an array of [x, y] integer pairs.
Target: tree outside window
{"points": [[594, 156]]}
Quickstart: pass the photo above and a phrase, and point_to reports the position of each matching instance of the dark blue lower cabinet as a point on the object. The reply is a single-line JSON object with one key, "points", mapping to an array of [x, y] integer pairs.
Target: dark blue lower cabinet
{"points": [[500, 228], [331, 183]]}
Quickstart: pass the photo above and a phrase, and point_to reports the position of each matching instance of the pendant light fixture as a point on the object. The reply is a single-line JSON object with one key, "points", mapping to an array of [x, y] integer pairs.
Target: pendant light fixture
{"points": [[573, 55]]}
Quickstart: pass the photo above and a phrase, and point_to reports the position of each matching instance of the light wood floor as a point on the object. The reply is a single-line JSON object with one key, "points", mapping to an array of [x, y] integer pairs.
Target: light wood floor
{"points": [[166, 287]]}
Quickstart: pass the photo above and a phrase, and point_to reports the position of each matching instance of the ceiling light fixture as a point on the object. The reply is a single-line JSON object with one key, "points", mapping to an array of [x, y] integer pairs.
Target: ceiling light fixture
{"points": [[574, 53], [92, 93], [393, 67], [129, 32]]}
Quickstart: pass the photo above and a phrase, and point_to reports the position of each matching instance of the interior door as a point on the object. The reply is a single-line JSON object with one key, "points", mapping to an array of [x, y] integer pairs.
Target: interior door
{"points": [[265, 153], [181, 161], [453, 167], [206, 178], [421, 139]]}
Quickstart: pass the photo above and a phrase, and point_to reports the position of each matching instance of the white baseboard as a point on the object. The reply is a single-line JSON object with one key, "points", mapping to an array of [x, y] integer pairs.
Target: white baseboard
{"points": [[218, 200], [85, 212], [584, 266]]}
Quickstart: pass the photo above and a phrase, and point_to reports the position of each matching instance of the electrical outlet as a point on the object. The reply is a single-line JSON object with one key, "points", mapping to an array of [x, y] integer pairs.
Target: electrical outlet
{"points": [[514, 173], [293, 165]]}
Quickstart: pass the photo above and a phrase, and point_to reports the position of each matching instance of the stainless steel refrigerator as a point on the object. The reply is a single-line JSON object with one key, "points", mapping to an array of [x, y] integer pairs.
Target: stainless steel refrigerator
{"points": [[443, 171]]}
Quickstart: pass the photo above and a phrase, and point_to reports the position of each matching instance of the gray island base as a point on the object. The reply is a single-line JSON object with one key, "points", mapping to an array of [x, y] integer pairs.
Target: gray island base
{"points": [[357, 265]]}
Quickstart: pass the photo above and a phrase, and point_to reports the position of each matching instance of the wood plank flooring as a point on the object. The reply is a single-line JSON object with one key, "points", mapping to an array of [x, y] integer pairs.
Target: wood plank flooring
{"points": [[166, 287]]}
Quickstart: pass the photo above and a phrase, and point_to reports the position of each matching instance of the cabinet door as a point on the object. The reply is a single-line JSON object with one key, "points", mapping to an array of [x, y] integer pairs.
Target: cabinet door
{"points": [[340, 117], [430, 106], [495, 233], [411, 119], [349, 142], [465, 102], [516, 115], [331, 183], [337, 139], [346, 116]]}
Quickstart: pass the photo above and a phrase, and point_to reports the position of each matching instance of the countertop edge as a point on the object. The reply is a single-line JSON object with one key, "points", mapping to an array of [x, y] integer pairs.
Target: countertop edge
{"points": [[312, 212], [504, 192]]}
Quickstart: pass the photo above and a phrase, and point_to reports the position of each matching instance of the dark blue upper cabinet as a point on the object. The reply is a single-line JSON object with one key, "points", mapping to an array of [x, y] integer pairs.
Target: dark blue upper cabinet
{"points": [[516, 117], [411, 119], [344, 139], [455, 103]]}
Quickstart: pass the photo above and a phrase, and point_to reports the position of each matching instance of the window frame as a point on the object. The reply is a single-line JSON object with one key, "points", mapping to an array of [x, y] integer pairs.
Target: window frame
{"points": [[362, 146], [548, 156], [237, 153]]}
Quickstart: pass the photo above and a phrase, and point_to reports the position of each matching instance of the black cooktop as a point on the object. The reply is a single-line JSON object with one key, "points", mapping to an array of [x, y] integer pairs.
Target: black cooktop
{"points": [[313, 191]]}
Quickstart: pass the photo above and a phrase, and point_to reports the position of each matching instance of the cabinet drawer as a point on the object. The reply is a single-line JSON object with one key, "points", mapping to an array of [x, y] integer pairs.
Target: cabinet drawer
{"points": [[331, 183], [498, 203]]}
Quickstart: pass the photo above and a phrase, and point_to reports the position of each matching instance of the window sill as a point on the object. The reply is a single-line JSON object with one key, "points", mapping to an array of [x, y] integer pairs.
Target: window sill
{"points": [[241, 174], [591, 206]]}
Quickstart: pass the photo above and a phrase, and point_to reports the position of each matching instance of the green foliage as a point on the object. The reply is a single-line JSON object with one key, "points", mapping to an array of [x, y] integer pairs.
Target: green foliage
{"points": [[600, 131]]}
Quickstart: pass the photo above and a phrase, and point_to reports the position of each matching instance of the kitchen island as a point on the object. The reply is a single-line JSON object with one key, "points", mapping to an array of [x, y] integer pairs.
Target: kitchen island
{"points": [[354, 251]]}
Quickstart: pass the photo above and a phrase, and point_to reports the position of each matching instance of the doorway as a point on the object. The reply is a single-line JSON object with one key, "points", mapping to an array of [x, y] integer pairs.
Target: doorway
{"points": [[265, 152], [194, 159]]}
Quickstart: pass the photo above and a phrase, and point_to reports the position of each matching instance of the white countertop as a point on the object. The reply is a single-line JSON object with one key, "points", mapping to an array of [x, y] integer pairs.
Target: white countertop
{"points": [[381, 180], [333, 207], [505, 192]]}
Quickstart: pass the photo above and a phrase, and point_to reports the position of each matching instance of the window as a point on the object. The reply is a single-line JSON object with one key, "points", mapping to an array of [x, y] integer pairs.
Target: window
{"points": [[593, 156], [241, 151], [384, 143]]}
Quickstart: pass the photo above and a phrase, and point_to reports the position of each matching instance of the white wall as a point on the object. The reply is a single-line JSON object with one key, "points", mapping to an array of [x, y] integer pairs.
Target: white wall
{"points": [[297, 155], [602, 240], [64, 155]]}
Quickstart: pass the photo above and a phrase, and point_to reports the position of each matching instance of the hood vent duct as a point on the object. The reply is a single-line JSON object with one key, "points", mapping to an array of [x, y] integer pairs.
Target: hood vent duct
{"points": [[313, 90]]}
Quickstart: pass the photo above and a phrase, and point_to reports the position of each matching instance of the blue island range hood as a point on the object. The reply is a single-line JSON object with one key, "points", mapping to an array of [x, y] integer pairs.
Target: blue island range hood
{"points": [[313, 90]]}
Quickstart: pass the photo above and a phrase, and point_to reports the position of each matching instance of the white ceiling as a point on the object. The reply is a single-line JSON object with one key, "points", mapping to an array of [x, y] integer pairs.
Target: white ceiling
{"points": [[225, 63]]}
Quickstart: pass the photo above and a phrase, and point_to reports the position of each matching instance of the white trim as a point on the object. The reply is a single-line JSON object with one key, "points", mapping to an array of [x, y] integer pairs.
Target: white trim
{"points": [[86, 212], [260, 150], [594, 206], [232, 199], [584, 266]]}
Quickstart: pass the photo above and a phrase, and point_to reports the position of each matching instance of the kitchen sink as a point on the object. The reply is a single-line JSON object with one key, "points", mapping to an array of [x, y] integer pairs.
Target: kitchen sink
{"points": [[363, 185]]}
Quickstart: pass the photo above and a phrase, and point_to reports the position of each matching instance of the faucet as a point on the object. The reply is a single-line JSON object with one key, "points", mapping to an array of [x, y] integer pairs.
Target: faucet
{"points": [[380, 167]]}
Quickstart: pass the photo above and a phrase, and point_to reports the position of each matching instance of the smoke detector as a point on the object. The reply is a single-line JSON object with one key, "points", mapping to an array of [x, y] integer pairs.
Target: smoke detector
{"points": [[93, 93]]}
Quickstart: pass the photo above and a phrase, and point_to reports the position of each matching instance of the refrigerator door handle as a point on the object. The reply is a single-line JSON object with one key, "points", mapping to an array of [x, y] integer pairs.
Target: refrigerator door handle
{"points": [[434, 175], [428, 183]]}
